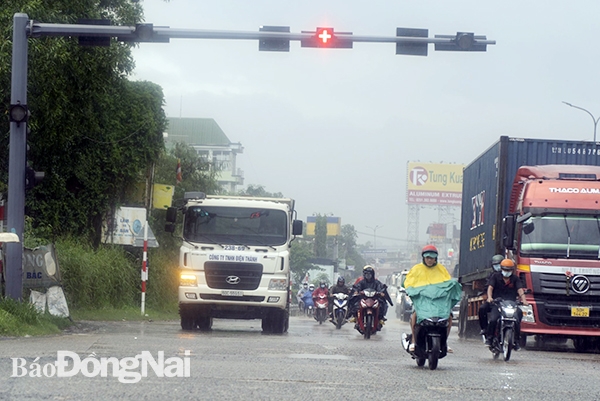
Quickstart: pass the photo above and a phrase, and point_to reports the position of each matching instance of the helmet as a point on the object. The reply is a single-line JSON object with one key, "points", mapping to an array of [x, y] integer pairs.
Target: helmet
{"points": [[304, 285], [429, 249], [311, 287], [507, 266], [322, 284], [341, 280], [496, 260], [368, 273]]}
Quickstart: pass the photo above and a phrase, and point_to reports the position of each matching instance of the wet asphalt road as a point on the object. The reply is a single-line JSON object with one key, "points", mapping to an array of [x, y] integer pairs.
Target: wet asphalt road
{"points": [[236, 361]]}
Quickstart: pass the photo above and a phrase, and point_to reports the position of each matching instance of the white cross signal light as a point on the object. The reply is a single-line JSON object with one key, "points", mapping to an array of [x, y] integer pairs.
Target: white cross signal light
{"points": [[325, 35], [327, 38]]}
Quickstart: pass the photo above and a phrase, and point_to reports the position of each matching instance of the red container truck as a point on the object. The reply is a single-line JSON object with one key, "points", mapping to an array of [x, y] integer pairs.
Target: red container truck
{"points": [[536, 201]]}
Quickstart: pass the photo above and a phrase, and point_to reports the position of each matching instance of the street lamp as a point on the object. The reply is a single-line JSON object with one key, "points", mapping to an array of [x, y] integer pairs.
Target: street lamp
{"points": [[374, 240], [591, 115]]}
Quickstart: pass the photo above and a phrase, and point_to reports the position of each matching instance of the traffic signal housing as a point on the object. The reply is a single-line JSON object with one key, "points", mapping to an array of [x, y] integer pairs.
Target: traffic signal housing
{"points": [[32, 177], [327, 38], [462, 42]]}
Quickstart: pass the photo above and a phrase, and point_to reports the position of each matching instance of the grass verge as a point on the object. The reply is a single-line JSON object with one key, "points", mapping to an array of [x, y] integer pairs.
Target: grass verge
{"points": [[18, 319]]}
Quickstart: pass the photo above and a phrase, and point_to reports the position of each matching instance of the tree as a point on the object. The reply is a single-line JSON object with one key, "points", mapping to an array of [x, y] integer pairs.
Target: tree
{"points": [[197, 174], [349, 237], [321, 236], [300, 253], [92, 131], [259, 191]]}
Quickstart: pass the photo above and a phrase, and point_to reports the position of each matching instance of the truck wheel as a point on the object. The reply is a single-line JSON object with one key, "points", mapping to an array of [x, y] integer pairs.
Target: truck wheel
{"points": [[523, 340], [582, 344], [187, 323], [280, 321], [276, 322], [204, 323], [462, 318], [187, 317]]}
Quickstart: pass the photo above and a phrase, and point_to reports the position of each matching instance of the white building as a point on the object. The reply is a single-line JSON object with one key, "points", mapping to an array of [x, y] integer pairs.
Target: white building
{"points": [[211, 144]]}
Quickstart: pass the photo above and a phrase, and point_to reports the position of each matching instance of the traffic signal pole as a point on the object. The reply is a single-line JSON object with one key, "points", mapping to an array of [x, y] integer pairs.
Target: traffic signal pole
{"points": [[15, 218], [24, 28]]}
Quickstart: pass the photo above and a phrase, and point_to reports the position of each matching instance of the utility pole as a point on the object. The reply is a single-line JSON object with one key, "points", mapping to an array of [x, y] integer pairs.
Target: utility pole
{"points": [[375, 240]]}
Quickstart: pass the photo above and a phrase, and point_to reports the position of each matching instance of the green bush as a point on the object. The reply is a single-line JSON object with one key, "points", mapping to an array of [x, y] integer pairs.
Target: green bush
{"points": [[21, 311], [110, 277]]}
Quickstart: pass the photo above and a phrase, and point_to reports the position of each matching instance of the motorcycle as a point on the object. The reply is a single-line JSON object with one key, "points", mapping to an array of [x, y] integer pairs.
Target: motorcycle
{"points": [[431, 341], [368, 322], [321, 307], [340, 309], [301, 306], [503, 339]]}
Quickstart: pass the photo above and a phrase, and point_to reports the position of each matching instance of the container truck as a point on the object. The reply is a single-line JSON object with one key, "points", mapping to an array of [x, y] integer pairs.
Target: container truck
{"points": [[536, 201], [235, 259]]}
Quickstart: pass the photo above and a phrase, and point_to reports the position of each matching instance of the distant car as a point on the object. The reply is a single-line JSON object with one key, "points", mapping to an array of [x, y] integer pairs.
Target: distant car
{"points": [[456, 311], [404, 306]]}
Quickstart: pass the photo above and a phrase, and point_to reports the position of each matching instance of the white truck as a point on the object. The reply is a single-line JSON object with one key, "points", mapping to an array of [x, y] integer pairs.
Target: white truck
{"points": [[235, 259]]}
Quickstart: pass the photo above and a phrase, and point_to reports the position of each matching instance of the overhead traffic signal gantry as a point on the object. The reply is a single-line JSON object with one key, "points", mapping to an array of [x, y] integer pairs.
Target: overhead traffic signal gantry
{"points": [[95, 33]]}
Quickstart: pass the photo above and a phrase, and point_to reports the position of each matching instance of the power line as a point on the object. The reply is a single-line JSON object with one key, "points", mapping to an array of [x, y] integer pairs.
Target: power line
{"points": [[380, 236]]}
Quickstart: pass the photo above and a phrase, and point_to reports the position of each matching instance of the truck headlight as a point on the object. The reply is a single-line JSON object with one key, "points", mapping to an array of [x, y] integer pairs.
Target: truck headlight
{"points": [[527, 313], [278, 284], [188, 280]]}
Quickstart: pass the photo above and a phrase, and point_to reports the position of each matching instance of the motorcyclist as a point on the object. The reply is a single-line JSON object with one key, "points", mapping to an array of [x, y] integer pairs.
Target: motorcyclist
{"points": [[322, 290], [369, 281], [301, 292], [428, 272], [508, 286], [485, 306], [307, 297], [339, 287]]}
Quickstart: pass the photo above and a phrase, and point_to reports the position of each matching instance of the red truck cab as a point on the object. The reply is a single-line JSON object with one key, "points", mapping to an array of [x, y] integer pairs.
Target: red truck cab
{"points": [[553, 233]]}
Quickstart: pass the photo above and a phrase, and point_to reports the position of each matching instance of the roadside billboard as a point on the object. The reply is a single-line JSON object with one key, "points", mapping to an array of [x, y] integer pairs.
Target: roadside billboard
{"points": [[434, 184], [334, 225]]}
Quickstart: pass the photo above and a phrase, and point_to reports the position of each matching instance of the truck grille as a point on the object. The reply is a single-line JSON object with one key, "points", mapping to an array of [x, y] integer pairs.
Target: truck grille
{"points": [[233, 276], [554, 306], [556, 284], [245, 298]]}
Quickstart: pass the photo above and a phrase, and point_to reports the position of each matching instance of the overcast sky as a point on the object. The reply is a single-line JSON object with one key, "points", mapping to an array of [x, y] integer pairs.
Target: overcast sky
{"points": [[335, 128]]}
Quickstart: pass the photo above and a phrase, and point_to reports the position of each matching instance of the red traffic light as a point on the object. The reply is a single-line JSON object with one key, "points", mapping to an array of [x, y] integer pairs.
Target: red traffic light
{"points": [[327, 38]]}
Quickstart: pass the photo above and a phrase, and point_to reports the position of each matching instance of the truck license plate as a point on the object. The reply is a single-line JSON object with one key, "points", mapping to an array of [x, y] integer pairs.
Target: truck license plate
{"points": [[232, 293], [580, 311]]}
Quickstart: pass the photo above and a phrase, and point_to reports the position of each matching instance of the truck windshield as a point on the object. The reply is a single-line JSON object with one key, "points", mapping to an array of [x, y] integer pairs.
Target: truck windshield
{"points": [[561, 236], [235, 226]]}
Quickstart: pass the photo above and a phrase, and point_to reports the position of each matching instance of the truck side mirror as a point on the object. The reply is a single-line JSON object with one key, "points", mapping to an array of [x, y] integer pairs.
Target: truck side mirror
{"points": [[508, 231], [297, 227]]}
